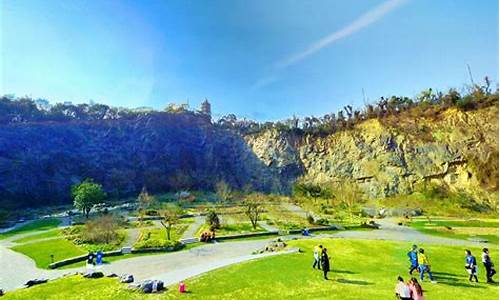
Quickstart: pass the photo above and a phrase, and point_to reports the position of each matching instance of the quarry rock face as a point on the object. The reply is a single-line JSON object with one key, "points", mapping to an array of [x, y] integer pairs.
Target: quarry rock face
{"points": [[39, 161], [386, 158]]}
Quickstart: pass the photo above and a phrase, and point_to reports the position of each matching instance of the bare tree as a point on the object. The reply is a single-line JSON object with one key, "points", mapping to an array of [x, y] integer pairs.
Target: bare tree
{"points": [[254, 207], [223, 191], [349, 194], [170, 216]]}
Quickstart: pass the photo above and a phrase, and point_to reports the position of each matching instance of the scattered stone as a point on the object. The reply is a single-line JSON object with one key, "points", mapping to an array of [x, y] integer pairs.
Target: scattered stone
{"points": [[112, 275], [33, 282], [126, 278], [93, 274], [152, 286], [1, 292], [273, 246]]}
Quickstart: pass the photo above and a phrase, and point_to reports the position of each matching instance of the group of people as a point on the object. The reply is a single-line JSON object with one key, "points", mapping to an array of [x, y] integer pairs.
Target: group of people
{"points": [[321, 260], [471, 265], [420, 262], [412, 290]]}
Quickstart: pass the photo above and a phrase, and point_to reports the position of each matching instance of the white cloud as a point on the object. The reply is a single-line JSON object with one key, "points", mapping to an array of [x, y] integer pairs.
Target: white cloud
{"points": [[363, 21]]}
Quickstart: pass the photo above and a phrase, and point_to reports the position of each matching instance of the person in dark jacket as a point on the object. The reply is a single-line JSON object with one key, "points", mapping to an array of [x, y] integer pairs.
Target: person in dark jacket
{"points": [[471, 265], [325, 263], [488, 265], [412, 255]]}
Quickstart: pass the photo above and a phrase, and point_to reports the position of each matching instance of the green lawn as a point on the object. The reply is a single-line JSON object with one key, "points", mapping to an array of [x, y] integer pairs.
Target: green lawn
{"points": [[460, 229], [38, 225], [43, 235], [40, 251], [361, 270]]}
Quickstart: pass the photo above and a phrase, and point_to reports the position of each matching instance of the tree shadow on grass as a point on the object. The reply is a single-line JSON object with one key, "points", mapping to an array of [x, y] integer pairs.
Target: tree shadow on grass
{"points": [[356, 282]]}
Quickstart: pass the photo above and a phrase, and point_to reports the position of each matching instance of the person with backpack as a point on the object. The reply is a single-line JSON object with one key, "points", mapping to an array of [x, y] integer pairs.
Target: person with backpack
{"points": [[471, 265], [412, 255], [325, 263], [488, 265], [424, 265], [317, 256]]}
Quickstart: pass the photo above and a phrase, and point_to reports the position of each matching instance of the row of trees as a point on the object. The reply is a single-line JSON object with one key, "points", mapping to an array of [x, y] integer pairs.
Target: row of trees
{"points": [[26, 109], [425, 103]]}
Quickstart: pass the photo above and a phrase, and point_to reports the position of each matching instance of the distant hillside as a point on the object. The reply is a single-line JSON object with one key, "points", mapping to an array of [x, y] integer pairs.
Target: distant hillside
{"points": [[394, 147]]}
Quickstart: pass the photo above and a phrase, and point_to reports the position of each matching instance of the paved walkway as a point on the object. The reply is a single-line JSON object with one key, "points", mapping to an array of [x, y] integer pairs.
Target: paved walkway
{"points": [[389, 230], [16, 268], [193, 227]]}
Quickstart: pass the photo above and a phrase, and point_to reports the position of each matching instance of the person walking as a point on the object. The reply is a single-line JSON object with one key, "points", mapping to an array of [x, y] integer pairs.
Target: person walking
{"points": [[412, 255], [488, 265], [471, 265], [424, 265], [402, 290], [317, 256], [415, 289], [325, 263]]}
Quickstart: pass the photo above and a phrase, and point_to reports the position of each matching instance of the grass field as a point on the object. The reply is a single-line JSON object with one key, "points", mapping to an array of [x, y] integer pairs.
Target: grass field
{"points": [[361, 270], [43, 235], [40, 251], [38, 225], [459, 229]]}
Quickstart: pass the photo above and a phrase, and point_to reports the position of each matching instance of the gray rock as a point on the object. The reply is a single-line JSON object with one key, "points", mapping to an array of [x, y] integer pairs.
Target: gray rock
{"points": [[126, 278], [93, 274]]}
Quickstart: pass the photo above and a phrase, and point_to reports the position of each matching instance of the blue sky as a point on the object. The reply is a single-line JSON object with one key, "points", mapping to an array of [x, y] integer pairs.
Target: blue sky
{"points": [[259, 59]]}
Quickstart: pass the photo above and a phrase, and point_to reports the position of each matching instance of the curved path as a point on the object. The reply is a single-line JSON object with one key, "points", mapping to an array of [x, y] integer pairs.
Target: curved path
{"points": [[16, 268]]}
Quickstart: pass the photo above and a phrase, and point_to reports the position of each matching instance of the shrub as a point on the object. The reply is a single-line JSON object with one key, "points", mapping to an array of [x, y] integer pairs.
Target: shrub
{"points": [[310, 219], [101, 230], [155, 243], [322, 221], [151, 212], [212, 220]]}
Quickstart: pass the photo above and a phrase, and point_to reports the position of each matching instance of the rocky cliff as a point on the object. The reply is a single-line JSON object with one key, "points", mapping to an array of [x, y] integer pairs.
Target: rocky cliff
{"points": [[394, 155], [39, 161]]}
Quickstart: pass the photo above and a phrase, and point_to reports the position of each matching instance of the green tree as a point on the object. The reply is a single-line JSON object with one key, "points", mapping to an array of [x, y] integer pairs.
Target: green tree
{"points": [[86, 195], [170, 215]]}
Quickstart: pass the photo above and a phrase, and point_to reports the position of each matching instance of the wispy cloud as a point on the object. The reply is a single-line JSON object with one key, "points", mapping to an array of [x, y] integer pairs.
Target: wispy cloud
{"points": [[361, 22], [264, 81]]}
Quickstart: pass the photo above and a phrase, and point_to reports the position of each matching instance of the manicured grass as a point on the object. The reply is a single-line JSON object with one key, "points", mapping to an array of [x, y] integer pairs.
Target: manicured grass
{"points": [[40, 251], [43, 235], [460, 229], [361, 270], [38, 225]]}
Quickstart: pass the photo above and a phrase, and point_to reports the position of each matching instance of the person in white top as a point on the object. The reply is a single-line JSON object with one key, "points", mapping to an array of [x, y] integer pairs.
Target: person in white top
{"points": [[402, 290]]}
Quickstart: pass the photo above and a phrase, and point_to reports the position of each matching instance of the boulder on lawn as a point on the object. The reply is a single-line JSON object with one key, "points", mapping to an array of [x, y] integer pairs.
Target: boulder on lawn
{"points": [[1, 292], [152, 286], [93, 274], [127, 278], [112, 275], [33, 282]]}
